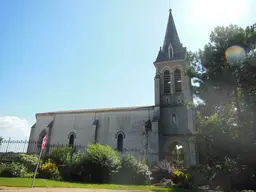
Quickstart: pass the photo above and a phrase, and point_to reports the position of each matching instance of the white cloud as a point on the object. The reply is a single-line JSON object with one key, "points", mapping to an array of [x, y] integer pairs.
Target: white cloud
{"points": [[14, 128]]}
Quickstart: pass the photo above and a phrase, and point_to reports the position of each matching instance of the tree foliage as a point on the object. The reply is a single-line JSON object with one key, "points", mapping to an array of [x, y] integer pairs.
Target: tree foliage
{"points": [[226, 121]]}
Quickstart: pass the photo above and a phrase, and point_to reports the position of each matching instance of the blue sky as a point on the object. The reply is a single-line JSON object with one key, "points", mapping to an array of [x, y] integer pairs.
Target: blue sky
{"points": [[62, 55]]}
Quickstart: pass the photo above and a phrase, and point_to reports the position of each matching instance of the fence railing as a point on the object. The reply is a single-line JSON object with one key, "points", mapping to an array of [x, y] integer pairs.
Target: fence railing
{"points": [[20, 146], [34, 147]]}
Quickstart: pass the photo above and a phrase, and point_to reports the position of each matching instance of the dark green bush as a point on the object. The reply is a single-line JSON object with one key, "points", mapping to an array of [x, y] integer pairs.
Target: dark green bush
{"points": [[99, 163], [201, 174], [12, 170], [48, 170], [132, 171], [72, 171], [61, 155]]}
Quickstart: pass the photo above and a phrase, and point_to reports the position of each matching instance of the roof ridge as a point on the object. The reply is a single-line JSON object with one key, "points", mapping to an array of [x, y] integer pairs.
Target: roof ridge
{"points": [[96, 110]]}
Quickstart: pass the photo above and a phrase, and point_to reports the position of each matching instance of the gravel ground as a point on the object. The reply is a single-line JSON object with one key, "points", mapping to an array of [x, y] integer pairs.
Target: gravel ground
{"points": [[7, 189]]}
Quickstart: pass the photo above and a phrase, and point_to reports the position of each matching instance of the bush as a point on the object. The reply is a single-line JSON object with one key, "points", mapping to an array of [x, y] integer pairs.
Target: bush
{"points": [[29, 161], [100, 162], [12, 170], [132, 171], [61, 155], [181, 179], [143, 174], [162, 170], [48, 170], [201, 174], [72, 171], [28, 175]]}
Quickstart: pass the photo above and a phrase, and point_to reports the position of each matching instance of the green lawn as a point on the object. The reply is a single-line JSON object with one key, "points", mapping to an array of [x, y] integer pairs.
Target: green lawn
{"points": [[26, 182]]}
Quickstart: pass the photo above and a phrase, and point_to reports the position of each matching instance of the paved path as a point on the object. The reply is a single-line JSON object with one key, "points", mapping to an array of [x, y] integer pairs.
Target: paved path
{"points": [[7, 189]]}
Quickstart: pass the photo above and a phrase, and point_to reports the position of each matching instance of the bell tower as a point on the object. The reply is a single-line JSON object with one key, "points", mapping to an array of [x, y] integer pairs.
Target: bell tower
{"points": [[172, 92]]}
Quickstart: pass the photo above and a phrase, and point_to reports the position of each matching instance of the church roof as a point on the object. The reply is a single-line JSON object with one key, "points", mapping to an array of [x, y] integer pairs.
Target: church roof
{"points": [[33, 126], [171, 37], [98, 110]]}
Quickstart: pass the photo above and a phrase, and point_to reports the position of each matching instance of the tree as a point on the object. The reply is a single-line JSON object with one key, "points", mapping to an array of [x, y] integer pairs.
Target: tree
{"points": [[226, 121]]}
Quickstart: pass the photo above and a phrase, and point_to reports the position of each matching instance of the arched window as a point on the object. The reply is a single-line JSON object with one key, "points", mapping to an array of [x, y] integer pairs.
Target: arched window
{"points": [[170, 50], [71, 138], [173, 119], [120, 140], [40, 138], [167, 82], [178, 83]]}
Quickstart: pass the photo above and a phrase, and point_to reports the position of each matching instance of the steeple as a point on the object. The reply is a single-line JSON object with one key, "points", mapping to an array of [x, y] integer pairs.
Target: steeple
{"points": [[172, 48]]}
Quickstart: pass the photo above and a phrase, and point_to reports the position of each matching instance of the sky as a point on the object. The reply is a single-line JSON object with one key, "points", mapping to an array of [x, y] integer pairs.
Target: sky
{"points": [[63, 55]]}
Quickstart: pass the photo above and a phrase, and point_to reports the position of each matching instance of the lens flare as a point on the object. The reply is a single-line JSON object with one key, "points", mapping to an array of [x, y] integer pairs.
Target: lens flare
{"points": [[235, 54]]}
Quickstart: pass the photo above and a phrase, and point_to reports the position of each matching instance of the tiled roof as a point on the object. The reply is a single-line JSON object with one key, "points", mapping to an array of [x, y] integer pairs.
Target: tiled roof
{"points": [[98, 110]]}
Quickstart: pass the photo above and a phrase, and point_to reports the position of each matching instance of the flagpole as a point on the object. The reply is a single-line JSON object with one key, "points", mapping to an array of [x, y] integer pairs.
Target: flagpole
{"points": [[39, 157]]}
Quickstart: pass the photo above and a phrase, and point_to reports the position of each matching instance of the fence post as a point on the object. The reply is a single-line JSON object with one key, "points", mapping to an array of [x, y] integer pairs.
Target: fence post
{"points": [[24, 144], [8, 144]]}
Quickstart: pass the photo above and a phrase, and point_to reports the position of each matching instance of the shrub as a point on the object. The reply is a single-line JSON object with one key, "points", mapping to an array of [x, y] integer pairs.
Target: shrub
{"points": [[201, 174], [143, 174], [162, 170], [181, 179], [132, 171], [29, 161], [12, 170], [61, 155], [48, 170], [28, 175], [100, 162], [72, 171]]}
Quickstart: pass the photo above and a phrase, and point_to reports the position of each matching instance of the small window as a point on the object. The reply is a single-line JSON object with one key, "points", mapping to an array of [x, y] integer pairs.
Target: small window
{"points": [[170, 50], [167, 82], [178, 82], [71, 139], [120, 139], [173, 119]]}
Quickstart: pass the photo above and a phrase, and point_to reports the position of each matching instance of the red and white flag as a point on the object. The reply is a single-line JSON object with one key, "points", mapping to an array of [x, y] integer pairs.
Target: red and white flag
{"points": [[44, 142]]}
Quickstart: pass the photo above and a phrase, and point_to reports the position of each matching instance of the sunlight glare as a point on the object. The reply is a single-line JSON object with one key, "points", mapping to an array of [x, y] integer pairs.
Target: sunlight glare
{"points": [[216, 12]]}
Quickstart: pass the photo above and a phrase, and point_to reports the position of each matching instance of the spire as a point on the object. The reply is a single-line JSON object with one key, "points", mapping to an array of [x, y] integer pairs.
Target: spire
{"points": [[172, 48]]}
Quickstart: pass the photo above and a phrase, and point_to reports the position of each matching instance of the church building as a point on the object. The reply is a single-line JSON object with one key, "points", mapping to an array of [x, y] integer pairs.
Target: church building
{"points": [[151, 130]]}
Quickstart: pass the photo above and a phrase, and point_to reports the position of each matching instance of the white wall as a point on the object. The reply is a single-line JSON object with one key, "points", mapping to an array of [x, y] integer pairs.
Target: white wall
{"points": [[41, 124], [130, 122]]}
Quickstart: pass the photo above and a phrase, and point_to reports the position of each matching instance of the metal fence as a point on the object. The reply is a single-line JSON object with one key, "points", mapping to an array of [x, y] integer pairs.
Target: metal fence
{"points": [[13, 146], [34, 147], [20, 146]]}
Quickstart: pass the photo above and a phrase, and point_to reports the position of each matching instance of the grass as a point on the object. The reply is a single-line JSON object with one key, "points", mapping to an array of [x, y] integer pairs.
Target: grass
{"points": [[26, 182]]}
